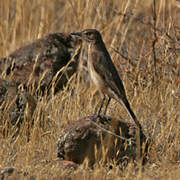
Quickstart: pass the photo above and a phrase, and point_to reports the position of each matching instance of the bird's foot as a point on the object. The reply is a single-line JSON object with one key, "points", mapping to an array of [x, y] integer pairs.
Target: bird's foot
{"points": [[96, 116]]}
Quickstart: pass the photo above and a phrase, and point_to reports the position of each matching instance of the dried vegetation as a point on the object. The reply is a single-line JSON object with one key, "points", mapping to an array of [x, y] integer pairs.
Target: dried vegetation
{"points": [[143, 38]]}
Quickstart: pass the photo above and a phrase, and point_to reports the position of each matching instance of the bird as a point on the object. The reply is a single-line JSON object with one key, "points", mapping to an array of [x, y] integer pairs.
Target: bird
{"points": [[103, 72]]}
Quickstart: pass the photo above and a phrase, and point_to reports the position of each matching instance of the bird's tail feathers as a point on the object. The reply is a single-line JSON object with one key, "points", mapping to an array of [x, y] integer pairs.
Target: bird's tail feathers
{"points": [[131, 113]]}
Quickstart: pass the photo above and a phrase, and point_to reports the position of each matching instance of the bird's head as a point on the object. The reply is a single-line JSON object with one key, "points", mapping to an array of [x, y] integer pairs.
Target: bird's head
{"points": [[89, 35]]}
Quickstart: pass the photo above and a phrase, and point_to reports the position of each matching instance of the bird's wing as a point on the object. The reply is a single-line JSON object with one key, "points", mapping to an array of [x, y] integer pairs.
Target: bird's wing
{"points": [[106, 69]]}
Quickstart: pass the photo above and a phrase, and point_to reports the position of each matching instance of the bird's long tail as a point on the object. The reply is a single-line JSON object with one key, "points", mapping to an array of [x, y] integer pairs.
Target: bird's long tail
{"points": [[131, 113]]}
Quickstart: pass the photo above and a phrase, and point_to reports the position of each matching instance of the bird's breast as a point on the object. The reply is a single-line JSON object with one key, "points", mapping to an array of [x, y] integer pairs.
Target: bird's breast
{"points": [[95, 77]]}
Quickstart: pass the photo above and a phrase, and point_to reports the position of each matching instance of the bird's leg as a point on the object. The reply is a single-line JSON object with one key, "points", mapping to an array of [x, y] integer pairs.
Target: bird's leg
{"points": [[106, 106], [102, 103]]}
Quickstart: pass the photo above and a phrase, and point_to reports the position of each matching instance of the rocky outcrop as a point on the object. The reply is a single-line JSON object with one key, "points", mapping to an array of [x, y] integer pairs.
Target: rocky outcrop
{"points": [[31, 71], [99, 139], [37, 64]]}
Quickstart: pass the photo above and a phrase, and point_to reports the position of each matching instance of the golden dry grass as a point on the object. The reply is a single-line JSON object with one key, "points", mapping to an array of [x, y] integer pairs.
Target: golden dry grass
{"points": [[152, 83]]}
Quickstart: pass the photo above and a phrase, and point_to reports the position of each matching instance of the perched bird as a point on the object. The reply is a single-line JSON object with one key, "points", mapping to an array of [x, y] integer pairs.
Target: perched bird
{"points": [[103, 72]]}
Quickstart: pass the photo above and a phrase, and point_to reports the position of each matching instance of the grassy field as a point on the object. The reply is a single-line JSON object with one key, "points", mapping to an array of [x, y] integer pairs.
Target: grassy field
{"points": [[144, 44]]}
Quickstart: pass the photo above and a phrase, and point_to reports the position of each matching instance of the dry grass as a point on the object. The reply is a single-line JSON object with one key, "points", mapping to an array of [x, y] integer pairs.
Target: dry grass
{"points": [[150, 72]]}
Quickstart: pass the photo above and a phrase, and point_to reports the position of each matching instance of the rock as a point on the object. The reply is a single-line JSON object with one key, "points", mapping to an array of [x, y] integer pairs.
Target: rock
{"points": [[13, 103], [34, 68], [98, 139], [38, 63]]}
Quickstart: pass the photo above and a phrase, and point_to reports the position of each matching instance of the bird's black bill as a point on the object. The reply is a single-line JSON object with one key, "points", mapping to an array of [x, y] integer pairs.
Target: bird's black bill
{"points": [[76, 34]]}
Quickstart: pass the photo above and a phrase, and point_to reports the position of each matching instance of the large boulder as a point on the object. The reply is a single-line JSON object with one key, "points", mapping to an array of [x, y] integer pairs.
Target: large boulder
{"points": [[37, 64], [98, 139]]}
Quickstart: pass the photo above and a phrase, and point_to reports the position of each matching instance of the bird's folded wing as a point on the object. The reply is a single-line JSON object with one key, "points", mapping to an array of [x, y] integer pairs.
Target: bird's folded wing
{"points": [[106, 69]]}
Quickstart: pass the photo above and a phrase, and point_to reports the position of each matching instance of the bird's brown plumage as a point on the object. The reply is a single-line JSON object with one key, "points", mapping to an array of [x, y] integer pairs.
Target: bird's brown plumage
{"points": [[102, 70]]}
